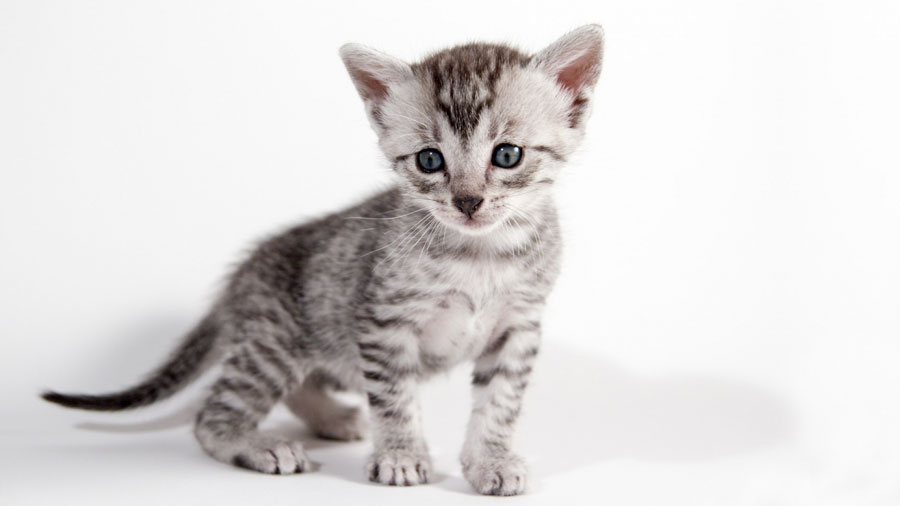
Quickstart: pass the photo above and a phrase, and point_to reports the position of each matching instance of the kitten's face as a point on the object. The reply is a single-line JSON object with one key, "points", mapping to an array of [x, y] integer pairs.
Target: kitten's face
{"points": [[477, 133]]}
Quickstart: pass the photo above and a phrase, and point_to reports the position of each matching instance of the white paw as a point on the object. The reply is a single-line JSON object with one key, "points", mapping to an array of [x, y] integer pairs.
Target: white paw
{"points": [[497, 475], [399, 467], [273, 455]]}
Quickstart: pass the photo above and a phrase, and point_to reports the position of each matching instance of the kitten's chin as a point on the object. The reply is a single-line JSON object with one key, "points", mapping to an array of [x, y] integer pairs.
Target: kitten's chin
{"points": [[470, 226]]}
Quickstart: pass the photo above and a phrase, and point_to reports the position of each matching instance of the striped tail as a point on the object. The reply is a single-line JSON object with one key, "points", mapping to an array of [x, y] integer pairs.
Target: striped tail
{"points": [[186, 363]]}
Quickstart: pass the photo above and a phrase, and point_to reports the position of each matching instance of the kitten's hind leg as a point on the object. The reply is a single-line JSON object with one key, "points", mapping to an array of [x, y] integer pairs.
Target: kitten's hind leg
{"points": [[254, 379], [328, 417]]}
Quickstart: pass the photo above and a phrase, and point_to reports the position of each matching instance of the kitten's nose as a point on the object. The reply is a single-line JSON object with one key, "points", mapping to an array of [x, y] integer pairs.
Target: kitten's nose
{"points": [[468, 205]]}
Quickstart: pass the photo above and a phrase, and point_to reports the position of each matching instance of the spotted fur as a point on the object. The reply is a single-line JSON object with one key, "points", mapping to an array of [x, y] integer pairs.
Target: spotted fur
{"points": [[374, 299]]}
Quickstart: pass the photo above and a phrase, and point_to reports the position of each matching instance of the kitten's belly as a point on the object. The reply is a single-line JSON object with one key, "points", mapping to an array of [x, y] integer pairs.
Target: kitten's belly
{"points": [[458, 330]]}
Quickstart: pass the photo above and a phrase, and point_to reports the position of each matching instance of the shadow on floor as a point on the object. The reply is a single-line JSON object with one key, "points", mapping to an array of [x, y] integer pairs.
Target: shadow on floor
{"points": [[581, 409]]}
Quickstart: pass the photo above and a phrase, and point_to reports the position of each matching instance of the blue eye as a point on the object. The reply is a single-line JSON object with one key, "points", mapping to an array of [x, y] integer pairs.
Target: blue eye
{"points": [[430, 160], [507, 156]]}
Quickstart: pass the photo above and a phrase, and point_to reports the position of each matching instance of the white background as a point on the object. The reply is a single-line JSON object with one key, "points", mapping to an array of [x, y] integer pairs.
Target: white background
{"points": [[726, 328]]}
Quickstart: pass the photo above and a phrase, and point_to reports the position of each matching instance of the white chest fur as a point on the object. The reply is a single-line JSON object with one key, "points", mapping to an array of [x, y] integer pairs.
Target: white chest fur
{"points": [[471, 312]]}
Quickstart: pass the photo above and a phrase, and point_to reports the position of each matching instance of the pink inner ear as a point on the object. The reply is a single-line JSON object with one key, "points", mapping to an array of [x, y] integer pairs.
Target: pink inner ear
{"points": [[373, 89], [580, 72]]}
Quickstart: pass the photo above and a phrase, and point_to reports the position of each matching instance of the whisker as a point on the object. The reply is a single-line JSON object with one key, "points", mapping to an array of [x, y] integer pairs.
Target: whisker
{"points": [[396, 239], [412, 245], [523, 192], [431, 234], [409, 235], [531, 223], [387, 218]]}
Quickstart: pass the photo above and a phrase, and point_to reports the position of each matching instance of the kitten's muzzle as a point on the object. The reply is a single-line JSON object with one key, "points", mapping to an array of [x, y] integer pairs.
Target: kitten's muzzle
{"points": [[467, 205]]}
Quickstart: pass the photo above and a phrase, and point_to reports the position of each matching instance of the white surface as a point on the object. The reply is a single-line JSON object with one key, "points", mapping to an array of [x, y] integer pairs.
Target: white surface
{"points": [[726, 328]]}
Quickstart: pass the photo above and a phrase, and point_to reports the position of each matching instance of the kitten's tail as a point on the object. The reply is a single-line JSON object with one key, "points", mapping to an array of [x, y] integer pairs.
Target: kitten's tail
{"points": [[185, 364]]}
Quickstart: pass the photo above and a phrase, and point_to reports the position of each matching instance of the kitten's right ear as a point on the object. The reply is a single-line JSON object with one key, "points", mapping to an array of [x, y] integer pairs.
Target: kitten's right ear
{"points": [[575, 61], [373, 72]]}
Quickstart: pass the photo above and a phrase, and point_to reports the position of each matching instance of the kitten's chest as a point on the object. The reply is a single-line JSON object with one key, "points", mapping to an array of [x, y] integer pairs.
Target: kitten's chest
{"points": [[469, 312]]}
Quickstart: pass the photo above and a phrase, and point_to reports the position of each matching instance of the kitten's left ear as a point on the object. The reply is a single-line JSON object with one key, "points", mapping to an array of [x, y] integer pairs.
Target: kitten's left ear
{"points": [[574, 61], [373, 72]]}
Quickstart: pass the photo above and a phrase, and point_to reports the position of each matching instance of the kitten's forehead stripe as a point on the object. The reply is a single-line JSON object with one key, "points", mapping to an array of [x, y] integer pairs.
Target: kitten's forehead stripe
{"points": [[463, 80], [436, 133]]}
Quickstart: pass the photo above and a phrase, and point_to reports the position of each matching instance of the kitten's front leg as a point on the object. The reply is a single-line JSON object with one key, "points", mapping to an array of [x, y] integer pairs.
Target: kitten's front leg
{"points": [[499, 380], [390, 372]]}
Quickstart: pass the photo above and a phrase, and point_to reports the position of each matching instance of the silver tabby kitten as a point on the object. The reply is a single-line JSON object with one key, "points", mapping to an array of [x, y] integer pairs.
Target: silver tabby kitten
{"points": [[453, 264]]}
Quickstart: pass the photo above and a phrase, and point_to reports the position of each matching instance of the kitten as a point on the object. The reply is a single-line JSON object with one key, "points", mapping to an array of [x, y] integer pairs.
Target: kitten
{"points": [[452, 264]]}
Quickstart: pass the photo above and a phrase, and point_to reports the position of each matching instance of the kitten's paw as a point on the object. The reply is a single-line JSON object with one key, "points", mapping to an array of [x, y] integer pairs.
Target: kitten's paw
{"points": [[399, 467], [497, 475], [273, 456], [349, 424]]}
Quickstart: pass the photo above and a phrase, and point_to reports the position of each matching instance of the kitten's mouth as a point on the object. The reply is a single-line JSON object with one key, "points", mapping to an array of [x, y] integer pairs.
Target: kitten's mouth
{"points": [[476, 225]]}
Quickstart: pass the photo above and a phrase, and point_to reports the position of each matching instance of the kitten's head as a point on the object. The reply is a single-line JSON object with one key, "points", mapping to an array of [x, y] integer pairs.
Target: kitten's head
{"points": [[478, 132]]}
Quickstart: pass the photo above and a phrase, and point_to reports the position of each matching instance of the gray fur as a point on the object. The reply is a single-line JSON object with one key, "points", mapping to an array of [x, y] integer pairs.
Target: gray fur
{"points": [[379, 297]]}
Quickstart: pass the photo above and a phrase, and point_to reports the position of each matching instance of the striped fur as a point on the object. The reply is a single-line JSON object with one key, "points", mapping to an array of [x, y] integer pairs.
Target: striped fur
{"points": [[374, 299]]}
